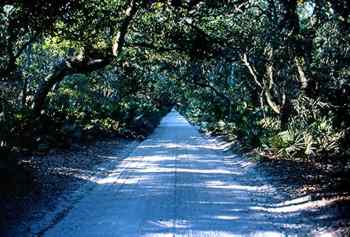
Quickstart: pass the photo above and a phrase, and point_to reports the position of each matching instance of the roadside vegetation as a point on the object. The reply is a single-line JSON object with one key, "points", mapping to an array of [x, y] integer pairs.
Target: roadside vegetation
{"points": [[271, 74]]}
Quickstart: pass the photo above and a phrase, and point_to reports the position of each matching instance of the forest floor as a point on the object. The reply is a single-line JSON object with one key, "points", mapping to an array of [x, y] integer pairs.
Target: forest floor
{"points": [[177, 182]]}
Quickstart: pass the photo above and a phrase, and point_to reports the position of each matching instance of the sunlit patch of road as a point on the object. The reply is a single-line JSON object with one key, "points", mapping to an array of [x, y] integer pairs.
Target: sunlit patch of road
{"points": [[178, 183]]}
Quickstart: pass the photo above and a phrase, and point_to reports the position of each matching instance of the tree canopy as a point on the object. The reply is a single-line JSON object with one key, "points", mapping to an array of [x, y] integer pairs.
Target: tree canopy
{"points": [[273, 74]]}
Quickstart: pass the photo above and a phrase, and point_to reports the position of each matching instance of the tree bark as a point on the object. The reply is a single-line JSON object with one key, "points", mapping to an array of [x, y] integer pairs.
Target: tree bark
{"points": [[265, 86], [64, 68], [252, 70], [268, 84], [82, 63], [60, 71], [302, 77], [120, 37]]}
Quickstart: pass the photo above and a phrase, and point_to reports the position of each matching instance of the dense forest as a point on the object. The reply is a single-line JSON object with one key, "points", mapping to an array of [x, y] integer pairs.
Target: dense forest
{"points": [[271, 74]]}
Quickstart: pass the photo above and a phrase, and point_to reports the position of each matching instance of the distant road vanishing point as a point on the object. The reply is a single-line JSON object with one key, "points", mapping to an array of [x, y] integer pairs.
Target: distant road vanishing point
{"points": [[179, 183]]}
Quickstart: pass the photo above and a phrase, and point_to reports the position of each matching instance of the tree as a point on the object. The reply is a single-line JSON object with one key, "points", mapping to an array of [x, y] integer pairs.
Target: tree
{"points": [[241, 62]]}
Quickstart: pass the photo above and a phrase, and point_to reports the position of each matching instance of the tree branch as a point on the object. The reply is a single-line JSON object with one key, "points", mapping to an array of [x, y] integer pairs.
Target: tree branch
{"points": [[252, 71], [154, 47], [120, 38], [216, 91], [82, 63]]}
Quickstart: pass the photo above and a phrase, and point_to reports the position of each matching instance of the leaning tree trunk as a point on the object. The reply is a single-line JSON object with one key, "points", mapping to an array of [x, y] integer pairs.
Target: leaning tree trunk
{"points": [[65, 68], [60, 71], [83, 63]]}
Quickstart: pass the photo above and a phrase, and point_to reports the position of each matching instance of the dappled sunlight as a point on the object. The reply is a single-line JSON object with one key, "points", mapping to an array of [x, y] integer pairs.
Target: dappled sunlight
{"points": [[162, 145], [203, 171], [157, 158], [330, 233], [190, 81], [295, 201], [222, 185], [169, 234], [193, 188], [159, 168], [174, 120], [230, 234], [189, 147], [267, 234], [207, 233], [295, 205], [227, 217], [109, 157], [118, 180], [74, 172], [163, 224], [166, 224]]}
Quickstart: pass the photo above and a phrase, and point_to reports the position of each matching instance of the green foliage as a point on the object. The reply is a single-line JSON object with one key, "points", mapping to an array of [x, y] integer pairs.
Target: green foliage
{"points": [[310, 134], [272, 74]]}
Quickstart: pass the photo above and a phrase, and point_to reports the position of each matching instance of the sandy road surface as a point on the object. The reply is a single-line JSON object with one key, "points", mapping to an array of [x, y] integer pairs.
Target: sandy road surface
{"points": [[178, 183]]}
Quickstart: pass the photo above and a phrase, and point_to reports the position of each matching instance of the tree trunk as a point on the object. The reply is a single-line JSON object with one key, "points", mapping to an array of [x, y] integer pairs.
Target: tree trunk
{"points": [[24, 92], [286, 112], [60, 71], [269, 83], [302, 78], [67, 67], [82, 63]]}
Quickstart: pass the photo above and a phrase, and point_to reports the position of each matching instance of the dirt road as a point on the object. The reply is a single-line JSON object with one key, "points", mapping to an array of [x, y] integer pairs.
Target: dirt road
{"points": [[179, 183]]}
